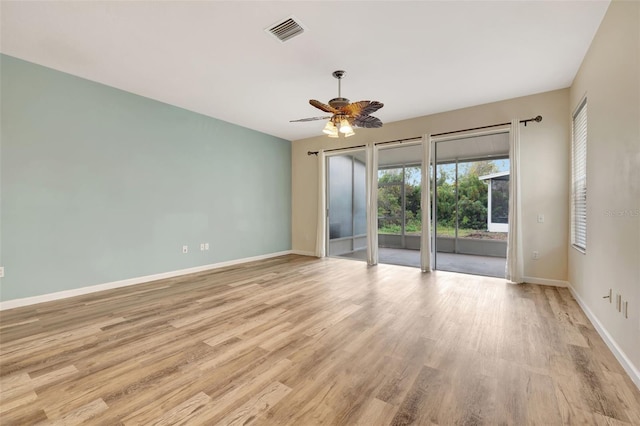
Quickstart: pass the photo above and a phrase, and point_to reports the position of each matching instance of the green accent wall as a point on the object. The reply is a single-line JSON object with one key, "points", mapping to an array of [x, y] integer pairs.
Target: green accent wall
{"points": [[100, 185]]}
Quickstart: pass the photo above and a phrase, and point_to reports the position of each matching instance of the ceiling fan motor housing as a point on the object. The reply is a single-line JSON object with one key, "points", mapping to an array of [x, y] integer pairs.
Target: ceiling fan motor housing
{"points": [[338, 103]]}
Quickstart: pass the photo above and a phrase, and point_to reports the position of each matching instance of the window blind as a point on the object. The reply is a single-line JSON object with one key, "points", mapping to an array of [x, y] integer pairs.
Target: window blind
{"points": [[579, 178]]}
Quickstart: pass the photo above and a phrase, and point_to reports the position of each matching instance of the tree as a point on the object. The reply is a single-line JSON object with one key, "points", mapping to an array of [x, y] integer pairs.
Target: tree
{"points": [[389, 200], [472, 195], [472, 202], [481, 168], [470, 210]]}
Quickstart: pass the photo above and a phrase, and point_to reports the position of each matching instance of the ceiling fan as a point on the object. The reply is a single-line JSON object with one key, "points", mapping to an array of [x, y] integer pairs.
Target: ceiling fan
{"points": [[346, 115]]}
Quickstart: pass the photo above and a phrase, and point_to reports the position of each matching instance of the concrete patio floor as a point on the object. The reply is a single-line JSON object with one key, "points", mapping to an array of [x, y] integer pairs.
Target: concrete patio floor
{"points": [[463, 263]]}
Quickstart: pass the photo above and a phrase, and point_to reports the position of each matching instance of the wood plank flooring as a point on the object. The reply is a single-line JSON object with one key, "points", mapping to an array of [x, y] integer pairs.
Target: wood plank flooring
{"points": [[301, 341]]}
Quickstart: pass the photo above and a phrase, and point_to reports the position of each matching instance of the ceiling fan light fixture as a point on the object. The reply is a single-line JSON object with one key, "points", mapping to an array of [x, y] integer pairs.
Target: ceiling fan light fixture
{"points": [[334, 135], [330, 128], [351, 133], [345, 127]]}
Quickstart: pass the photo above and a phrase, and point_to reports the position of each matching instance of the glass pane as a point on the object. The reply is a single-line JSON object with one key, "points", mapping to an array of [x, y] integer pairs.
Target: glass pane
{"points": [[360, 197], [390, 201], [446, 193], [389, 176], [474, 178], [412, 190], [340, 197], [472, 198]]}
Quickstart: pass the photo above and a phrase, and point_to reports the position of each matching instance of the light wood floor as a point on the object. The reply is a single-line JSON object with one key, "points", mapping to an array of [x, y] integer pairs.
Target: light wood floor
{"points": [[302, 341]]}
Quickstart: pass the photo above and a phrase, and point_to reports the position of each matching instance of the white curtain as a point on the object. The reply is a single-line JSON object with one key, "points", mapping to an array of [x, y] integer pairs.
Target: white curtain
{"points": [[372, 204], [515, 258], [425, 203], [321, 234]]}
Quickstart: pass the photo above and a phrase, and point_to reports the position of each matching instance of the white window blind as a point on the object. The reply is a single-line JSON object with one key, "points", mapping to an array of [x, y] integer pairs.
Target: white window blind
{"points": [[579, 178]]}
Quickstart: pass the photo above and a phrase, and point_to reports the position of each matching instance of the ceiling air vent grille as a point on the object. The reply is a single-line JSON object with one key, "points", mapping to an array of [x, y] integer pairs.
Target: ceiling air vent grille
{"points": [[286, 29]]}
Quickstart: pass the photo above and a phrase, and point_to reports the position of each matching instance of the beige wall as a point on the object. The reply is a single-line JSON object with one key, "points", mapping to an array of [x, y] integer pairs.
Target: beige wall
{"points": [[545, 172], [610, 78]]}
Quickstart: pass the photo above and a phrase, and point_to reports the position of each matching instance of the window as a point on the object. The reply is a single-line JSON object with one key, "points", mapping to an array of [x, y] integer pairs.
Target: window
{"points": [[579, 178]]}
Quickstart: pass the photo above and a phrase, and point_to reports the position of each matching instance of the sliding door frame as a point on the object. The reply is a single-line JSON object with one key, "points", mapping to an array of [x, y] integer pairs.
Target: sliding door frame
{"points": [[434, 164]]}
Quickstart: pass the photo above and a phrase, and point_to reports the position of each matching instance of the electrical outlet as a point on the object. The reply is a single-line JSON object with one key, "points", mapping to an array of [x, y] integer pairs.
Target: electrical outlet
{"points": [[201, 246], [536, 255], [1, 271], [185, 249], [206, 246], [540, 218]]}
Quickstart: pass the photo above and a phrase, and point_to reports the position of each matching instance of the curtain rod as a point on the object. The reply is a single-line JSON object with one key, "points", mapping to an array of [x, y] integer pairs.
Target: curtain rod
{"points": [[537, 119], [336, 149]]}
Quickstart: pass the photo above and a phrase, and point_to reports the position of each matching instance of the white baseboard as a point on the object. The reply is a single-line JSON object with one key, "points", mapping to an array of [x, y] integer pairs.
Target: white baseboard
{"points": [[545, 281], [303, 253], [16, 303], [628, 366]]}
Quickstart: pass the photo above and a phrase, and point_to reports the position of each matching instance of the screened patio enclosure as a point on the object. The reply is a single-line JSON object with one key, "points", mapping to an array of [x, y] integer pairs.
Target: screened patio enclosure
{"points": [[497, 201]]}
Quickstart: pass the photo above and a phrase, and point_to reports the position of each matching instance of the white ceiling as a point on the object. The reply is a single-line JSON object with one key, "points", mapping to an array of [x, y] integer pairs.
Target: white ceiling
{"points": [[214, 57]]}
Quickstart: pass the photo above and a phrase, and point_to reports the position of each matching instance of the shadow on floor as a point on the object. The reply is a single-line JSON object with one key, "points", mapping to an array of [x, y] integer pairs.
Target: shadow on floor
{"points": [[463, 263]]}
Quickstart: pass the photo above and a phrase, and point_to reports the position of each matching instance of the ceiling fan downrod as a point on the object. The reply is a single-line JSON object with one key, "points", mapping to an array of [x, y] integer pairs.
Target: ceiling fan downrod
{"points": [[339, 74], [339, 102]]}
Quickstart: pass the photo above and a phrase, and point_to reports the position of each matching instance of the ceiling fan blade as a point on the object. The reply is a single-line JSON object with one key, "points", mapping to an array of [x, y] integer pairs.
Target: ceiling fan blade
{"points": [[367, 121], [324, 107], [310, 119], [363, 107]]}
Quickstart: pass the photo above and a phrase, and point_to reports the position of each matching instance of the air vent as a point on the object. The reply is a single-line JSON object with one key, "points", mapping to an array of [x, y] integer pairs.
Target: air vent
{"points": [[286, 29]]}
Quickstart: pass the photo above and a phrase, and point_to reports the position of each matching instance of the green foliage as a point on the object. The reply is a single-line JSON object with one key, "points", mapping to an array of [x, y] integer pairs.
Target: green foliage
{"points": [[390, 200], [472, 198]]}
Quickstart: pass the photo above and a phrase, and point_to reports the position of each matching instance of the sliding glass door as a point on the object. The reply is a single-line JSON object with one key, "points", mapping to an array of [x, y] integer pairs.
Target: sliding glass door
{"points": [[471, 204], [399, 207], [469, 180]]}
